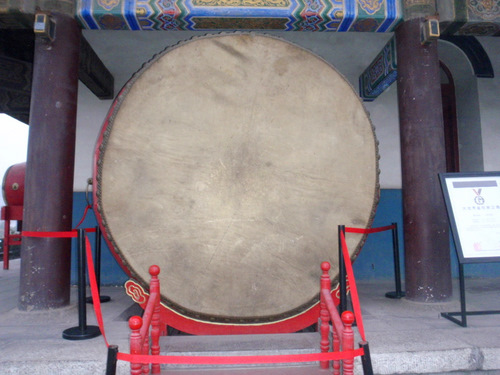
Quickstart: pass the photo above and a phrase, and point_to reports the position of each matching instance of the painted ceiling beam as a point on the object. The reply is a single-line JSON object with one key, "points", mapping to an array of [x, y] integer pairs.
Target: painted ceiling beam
{"points": [[380, 74], [469, 17], [383, 70], [457, 17], [93, 73], [287, 15], [16, 60], [15, 87]]}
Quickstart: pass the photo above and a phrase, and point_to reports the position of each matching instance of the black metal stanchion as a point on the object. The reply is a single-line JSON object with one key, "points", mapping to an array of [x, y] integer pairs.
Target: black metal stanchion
{"points": [[366, 360], [342, 275], [82, 331], [97, 264], [111, 361], [397, 273]]}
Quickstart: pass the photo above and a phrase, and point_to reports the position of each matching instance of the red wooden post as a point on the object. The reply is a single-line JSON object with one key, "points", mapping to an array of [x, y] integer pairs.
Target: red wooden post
{"points": [[154, 288], [324, 315], [135, 324], [348, 342], [145, 350], [336, 348]]}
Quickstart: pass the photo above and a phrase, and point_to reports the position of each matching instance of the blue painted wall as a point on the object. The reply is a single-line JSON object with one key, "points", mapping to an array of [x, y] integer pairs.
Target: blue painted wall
{"points": [[374, 262], [111, 272]]}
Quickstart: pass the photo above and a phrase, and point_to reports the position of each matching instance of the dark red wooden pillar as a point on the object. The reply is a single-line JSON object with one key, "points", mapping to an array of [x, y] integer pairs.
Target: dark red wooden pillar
{"points": [[427, 253], [45, 262]]}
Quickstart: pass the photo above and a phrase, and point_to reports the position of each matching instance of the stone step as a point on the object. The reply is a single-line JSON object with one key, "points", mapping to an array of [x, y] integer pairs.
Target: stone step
{"points": [[240, 345], [277, 370]]}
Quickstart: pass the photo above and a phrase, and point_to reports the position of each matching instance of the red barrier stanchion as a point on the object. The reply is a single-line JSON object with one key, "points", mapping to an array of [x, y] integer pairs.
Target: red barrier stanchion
{"points": [[348, 342], [135, 324], [155, 320], [324, 314], [336, 348], [136, 357]]}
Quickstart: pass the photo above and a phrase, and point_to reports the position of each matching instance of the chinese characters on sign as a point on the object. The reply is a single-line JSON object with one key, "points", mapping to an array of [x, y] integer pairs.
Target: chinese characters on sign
{"points": [[473, 203]]}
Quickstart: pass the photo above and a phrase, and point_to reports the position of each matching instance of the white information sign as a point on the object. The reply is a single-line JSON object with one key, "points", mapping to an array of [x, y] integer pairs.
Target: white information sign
{"points": [[473, 204]]}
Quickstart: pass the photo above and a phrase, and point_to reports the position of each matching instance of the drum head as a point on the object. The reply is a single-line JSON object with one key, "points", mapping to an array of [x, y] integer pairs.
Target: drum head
{"points": [[229, 161]]}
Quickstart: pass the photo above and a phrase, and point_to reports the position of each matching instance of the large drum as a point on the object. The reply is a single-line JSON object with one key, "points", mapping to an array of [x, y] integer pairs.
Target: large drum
{"points": [[13, 185], [229, 161]]}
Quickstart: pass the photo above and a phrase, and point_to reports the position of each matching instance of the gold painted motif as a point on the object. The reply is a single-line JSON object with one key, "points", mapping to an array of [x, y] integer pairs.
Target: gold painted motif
{"points": [[136, 292], [108, 4], [485, 9], [243, 3], [141, 12], [371, 6]]}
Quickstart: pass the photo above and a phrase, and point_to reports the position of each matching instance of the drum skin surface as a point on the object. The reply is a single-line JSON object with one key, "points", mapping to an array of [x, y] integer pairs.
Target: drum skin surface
{"points": [[229, 161], [13, 185]]}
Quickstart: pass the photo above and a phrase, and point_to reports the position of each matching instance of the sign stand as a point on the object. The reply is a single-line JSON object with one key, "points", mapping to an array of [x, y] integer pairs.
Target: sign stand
{"points": [[473, 205], [463, 313]]}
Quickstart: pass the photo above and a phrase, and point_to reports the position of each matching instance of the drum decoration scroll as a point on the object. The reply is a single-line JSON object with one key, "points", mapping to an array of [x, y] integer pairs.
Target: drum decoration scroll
{"points": [[229, 160]]}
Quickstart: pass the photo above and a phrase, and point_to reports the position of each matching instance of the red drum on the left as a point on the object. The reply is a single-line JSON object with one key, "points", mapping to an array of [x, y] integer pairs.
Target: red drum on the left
{"points": [[13, 185]]}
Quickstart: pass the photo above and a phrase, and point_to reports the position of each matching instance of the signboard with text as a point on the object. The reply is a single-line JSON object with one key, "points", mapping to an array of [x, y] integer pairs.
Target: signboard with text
{"points": [[473, 205]]}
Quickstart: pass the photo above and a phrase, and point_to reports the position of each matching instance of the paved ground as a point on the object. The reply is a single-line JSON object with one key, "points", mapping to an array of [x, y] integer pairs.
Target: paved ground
{"points": [[405, 337]]}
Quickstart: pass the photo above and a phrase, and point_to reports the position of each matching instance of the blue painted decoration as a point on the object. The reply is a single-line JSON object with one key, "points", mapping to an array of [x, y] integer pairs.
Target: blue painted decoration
{"points": [[287, 15]]}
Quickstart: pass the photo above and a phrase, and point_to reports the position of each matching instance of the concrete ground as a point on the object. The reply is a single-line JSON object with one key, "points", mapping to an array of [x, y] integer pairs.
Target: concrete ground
{"points": [[405, 337]]}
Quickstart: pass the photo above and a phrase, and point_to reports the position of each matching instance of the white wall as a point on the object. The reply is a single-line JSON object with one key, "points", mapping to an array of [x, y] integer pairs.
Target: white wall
{"points": [[90, 116], [467, 107], [489, 96]]}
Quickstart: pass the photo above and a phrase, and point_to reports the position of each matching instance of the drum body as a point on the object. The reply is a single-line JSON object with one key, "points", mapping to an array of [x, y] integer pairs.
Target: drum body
{"points": [[13, 185], [229, 161]]}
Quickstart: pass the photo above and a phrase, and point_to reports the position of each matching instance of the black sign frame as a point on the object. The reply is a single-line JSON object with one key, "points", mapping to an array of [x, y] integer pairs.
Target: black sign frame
{"points": [[472, 216], [459, 208]]}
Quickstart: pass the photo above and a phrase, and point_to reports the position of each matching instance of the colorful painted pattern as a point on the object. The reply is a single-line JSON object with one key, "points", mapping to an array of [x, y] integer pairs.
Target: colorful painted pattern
{"points": [[380, 74], [488, 10], [470, 17], [289, 15]]}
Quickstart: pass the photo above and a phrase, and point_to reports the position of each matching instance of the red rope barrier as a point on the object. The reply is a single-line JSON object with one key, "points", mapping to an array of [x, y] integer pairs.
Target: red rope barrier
{"points": [[369, 230], [353, 288], [83, 216], [217, 360], [195, 360], [41, 234], [94, 290], [237, 360]]}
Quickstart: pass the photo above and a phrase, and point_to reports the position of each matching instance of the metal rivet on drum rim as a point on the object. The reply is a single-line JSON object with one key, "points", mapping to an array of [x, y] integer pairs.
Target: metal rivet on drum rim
{"points": [[15, 186]]}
